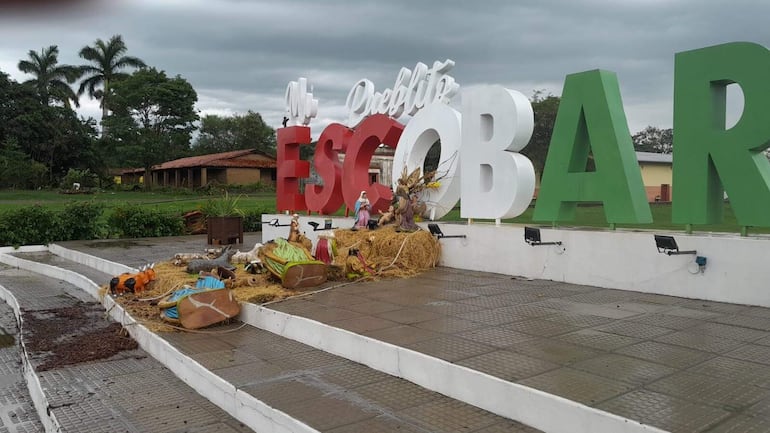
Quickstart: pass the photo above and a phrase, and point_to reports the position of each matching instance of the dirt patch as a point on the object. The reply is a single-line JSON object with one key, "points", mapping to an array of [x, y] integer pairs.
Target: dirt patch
{"points": [[71, 335]]}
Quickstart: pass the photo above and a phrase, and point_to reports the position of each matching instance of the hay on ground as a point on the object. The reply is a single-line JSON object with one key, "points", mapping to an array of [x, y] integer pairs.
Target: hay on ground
{"points": [[390, 253]]}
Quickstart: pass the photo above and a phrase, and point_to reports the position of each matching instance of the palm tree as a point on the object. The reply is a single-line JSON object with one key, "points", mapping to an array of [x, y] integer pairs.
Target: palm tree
{"points": [[51, 80], [107, 60]]}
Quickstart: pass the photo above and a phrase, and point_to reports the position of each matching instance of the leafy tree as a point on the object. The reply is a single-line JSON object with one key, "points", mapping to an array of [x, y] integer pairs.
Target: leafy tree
{"points": [[107, 61], [223, 134], [51, 80], [152, 119], [545, 108], [51, 136], [653, 139]]}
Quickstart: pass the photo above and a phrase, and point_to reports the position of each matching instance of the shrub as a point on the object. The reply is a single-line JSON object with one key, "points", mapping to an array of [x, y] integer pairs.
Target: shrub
{"points": [[29, 226], [85, 178], [252, 220], [82, 220], [136, 222]]}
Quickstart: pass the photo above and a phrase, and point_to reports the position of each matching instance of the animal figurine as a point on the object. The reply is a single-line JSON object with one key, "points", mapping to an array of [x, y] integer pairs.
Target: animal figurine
{"points": [[248, 256], [195, 266], [181, 259], [134, 283]]}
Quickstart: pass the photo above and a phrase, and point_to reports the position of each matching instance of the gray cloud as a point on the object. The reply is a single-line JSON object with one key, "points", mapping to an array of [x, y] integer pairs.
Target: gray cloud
{"points": [[240, 54]]}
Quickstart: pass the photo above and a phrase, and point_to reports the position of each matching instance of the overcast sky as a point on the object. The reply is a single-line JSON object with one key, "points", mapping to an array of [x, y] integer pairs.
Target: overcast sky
{"points": [[239, 55]]}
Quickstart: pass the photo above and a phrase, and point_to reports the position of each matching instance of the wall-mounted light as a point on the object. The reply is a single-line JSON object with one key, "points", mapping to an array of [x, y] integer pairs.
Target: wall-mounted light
{"points": [[274, 222], [532, 237], [435, 230], [327, 225], [667, 245]]}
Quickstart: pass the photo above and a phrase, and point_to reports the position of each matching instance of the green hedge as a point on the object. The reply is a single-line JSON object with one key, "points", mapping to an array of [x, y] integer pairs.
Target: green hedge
{"points": [[36, 225], [135, 222]]}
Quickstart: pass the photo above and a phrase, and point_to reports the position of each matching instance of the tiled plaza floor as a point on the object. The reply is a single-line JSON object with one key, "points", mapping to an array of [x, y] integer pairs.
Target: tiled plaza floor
{"points": [[679, 364]]}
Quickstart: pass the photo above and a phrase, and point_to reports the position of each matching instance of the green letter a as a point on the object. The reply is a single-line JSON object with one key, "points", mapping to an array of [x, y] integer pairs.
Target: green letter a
{"points": [[591, 118], [709, 159]]}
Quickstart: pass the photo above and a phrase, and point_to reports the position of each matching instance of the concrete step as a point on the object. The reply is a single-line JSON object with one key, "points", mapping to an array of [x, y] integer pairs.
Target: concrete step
{"points": [[128, 392], [284, 385], [17, 412]]}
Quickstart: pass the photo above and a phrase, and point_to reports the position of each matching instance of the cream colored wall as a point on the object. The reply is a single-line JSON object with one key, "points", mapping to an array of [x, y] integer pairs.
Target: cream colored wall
{"points": [[656, 174]]}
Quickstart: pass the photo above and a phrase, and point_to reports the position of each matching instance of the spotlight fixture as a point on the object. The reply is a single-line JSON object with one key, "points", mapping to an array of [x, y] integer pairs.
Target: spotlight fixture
{"points": [[435, 230], [667, 245], [327, 225], [532, 237]]}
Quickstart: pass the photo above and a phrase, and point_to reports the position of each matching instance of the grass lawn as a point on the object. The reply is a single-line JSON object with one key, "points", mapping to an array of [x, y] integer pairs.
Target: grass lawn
{"points": [[165, 201], [181, 202]]}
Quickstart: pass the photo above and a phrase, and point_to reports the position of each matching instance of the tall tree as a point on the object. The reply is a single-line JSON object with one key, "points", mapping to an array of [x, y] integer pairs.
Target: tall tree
{"points": [[107, 62], [653, 139], [51, 137], [152, 119], [223, 134], [545, 108], [51, 80]]}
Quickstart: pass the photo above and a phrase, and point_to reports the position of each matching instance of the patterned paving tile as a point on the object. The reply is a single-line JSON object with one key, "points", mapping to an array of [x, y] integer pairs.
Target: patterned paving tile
{"points": [[504, 300], [363, 324], [602, 296], [508, 427], [710, 390], [579, 386], [380, 424], [373, 307], [752, 322], [328, 412], [734, 370], [666, 354], [742, 424], [636, 330], [450, 308], [494, 317], [449, 325], [446, 415], [329, 314], [753, 353], [352, 375], [396, 394], [501, 336], [555, 351], [693, 313], [728, 331], [283, 393], [666, 321], [624, 368], [508, 365], [579, 320], [402, 335], [719, 307], [410, 315], [541, 327], [664, 411], [598, 340], [701, 342], [450, 348]]}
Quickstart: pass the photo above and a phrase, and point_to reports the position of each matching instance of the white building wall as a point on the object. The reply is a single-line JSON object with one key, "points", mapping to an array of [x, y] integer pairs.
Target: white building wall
{"points": [[736, 269]]}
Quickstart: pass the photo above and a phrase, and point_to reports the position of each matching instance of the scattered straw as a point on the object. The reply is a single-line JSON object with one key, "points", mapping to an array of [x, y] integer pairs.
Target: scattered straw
{"points": [[391, 254]]}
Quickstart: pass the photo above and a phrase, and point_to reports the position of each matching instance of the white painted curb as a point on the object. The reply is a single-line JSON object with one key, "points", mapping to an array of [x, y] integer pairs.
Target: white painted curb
{"points": [[39, 401], [242, 406], [547, 412]]}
